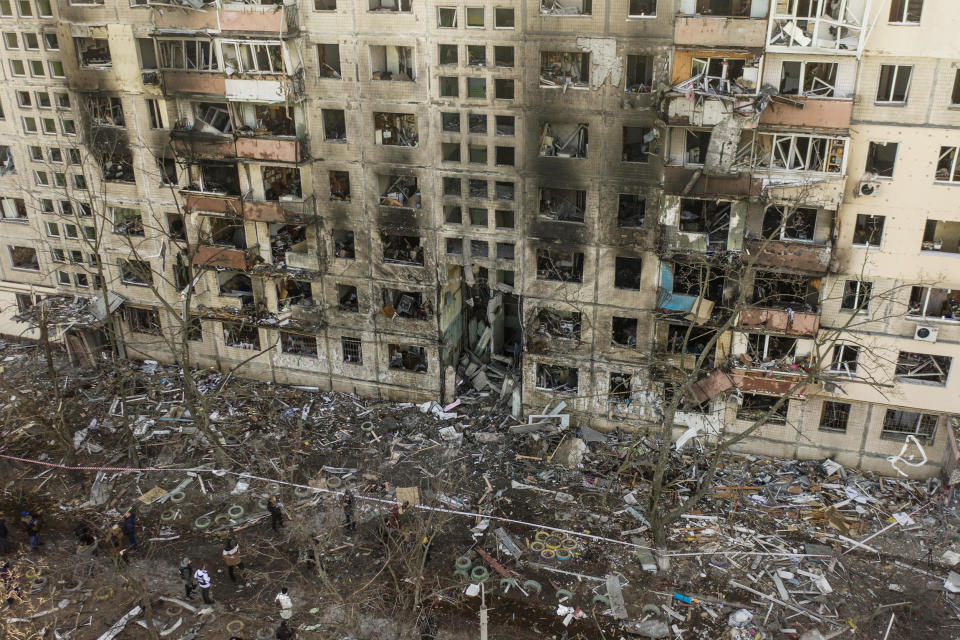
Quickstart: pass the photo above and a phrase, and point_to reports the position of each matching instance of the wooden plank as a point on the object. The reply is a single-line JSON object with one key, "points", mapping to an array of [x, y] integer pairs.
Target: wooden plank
{"points": [[493, 563], [615, 594]]}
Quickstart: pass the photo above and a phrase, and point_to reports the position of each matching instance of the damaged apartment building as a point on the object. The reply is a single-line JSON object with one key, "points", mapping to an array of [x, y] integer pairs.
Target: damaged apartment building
{"points": [[543, 200]]}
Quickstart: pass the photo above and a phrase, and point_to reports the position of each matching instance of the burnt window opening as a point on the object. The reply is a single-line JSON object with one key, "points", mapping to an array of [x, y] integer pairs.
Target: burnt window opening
{"points": [[708, 217], [698, 340], [696, 144], [396, 129], [638, 143], [227, 232], [726, 8], [505, 156], [168, 172], [194, 329], [561, 266], [114, 156], [448, 54], [834, 416], [343, 244], [922, 368], [697, 280], [127, 221], [555, 323], [454, 247], [642, 8], [106, 111], [631, 210], [407, 358], [639, 74], [933, 302], [7, 163], [391, 62], [405, 304], [506, 277], [298, 344], [23, 258], [478, 217], [237, 285], [563, 140], [881, 158], [505, 219], [241, 335], [504, 190], [628, 273], [453, 214], [623, 331], [340, 185], [328, 59], [505, 250], [719, 75], [452, 187], [800, 78], [868, 230], [756, 407], [564, 69], [294, 292], [281, 183], [478, 188], [399, 191], [135, 272], [142, 320], [402, 249], [789, 223], [620, 388], [216, 178], [212, 117], [182, 273], [563, 205], [786, 290], [479, 249], [352, 350], [856, 295], [271, 119], [503, 57], [450, 122], [504, 89], [93, 52], [898, 424], [347, 299], [765, 348], [334, 125], [557, 377], [286, 238], [402, 6]]}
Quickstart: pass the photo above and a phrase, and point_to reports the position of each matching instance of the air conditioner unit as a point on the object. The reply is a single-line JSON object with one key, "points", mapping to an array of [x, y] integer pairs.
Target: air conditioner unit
{"points": [[925, 333], [867, 188]]}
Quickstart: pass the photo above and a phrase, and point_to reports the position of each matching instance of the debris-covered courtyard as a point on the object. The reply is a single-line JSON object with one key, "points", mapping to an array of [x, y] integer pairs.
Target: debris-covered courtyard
{"points": [[455, 515]]}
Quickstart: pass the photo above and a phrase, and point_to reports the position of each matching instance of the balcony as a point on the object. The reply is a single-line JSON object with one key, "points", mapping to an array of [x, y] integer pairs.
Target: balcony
{"points": [[189, 142], [677, 179], [283, 211], [797, 256], [197, 83], [222, 258], [820, 113], [719, 31], [233, 18], [773, 382], [270, 148], [211, 202], [780, 321]]}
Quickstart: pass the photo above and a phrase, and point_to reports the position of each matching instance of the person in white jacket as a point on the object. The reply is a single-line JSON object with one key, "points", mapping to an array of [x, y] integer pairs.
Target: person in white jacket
{"points": [[285, 603], [203, 581]]}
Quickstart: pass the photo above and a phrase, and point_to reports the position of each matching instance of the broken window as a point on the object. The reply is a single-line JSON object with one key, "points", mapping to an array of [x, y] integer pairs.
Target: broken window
{"points": [[476, 55], [756, 407], [241, 335], [168, 171], [402, 6], [286, 238], [639, 74], [227, 232], [941, 235], [898, 424], [504, 190], [294, 292], [343, 244], [642, 9], [834, 416], [504, 219], [399, 129], [347, 299], [955, 93], [448, 54], [881, 158], [135, 272], [399, 191], [479, 249], [478, 216], [503, 56], [856, 295], [212, 117], [405, 304], [298, 344], [824, 24], [324, 5], [106, 111], [786, 290], [504, 125], [407, 358], [683, 338], [262, 58], [709, 217], [328, 60], [281, 183], [93, 52], [216, 178], [391, 62], [623, 331], [114, 156], [450, 122], [868, 231], [477, 188], [844, 359], [563, 205], [557, 377], [339, 185], [800, 78], [334, 125], [638, 142], [563, 140], [948, 169], [452, 187], [719, 75], [236, 285], [142, 320], [563, 266], [505, 251], [619, 389], [449, 86], [764, 348], [13, 208], [726, 8], [446, 17], [454, 247], [23, 258], [566, 7], [450, 151], [352, 350], [504, 156], [697, 280], [799, 152], [696, 143], [402, 249], [894, 84], [453, 214], [789, 223], [922, 368], [934, 303], [127, 221], [190, 55], [564, 69], [905, 11], [631, 210], [628, 273]]}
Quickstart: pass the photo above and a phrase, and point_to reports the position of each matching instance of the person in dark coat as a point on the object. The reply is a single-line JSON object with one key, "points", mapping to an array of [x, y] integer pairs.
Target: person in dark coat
{"points": [[128, 526], [32, 525], [186, 576], [284, 632], [231, 557], [348, 501], [276, 515], [4, 537]]}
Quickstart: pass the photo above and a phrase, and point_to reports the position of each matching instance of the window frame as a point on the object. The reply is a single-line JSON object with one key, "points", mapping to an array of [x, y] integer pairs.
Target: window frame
{"points": [[837, 358], [902, 21], [890, 417], [862, 291], [834, 408], [893, 84]]}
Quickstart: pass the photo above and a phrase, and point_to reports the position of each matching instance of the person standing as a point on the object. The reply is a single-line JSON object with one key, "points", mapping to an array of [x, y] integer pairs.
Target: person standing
{"points": [[4, 537], [285, 603], [203, 581], [128, 526], [276, 515], [284, 632], [32, 525], [348, 501], [186, 575], [231, 557]]}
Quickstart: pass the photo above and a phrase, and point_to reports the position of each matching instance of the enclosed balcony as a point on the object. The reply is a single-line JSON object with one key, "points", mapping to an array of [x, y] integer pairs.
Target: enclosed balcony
{"points": [[715, 23]]}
